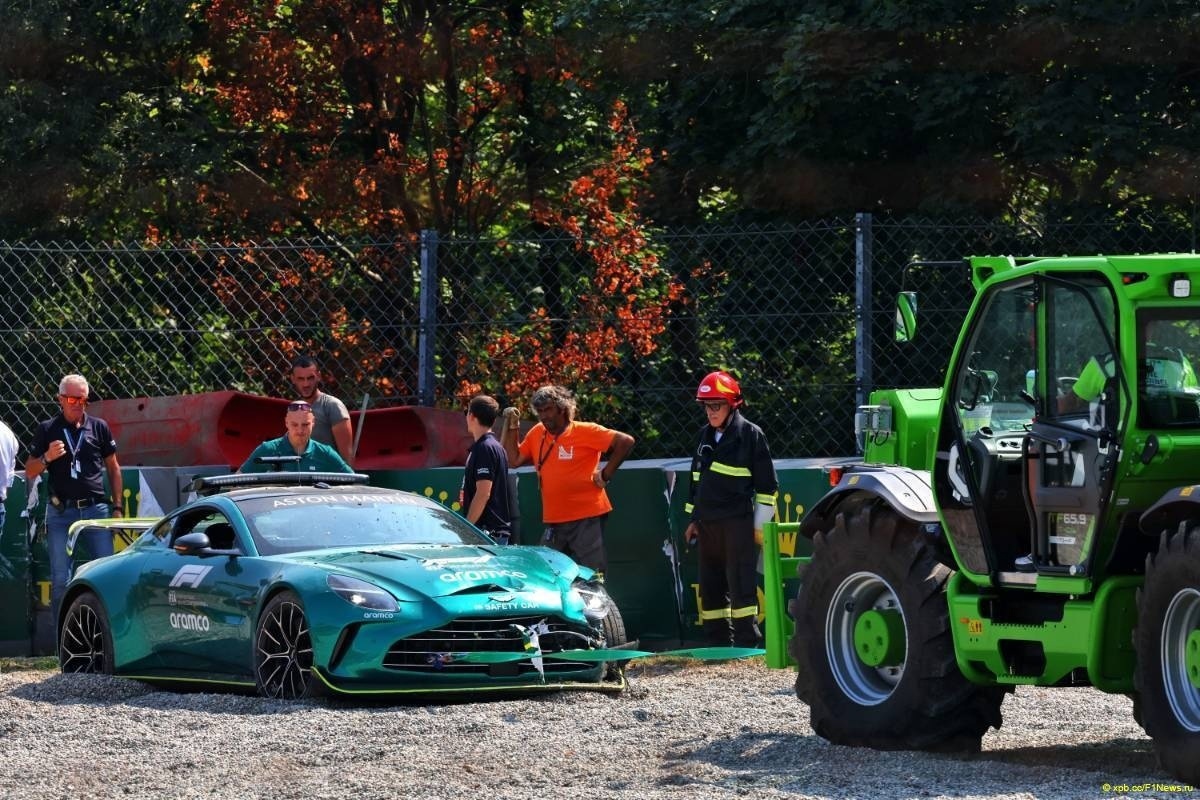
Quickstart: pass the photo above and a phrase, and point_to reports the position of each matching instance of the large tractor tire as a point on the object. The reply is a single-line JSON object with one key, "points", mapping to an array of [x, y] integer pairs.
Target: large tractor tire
{"points": [[873, 647], [1167, 643]]}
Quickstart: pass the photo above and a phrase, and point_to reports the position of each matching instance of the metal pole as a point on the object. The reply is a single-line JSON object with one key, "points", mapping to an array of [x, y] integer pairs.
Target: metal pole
{"points": [[362, 416], [862, 308], [428, 321]]}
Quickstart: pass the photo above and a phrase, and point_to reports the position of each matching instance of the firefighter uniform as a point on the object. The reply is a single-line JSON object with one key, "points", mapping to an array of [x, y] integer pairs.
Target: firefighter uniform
{"points": [[732, 477]]}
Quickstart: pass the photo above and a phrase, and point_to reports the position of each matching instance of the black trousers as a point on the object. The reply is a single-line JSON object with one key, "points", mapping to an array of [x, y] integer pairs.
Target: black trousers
{"points": [[729, 581]]}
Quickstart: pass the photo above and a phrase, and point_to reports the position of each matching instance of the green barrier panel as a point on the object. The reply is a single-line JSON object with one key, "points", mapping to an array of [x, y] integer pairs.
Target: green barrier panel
{"points": [[15, 596]]}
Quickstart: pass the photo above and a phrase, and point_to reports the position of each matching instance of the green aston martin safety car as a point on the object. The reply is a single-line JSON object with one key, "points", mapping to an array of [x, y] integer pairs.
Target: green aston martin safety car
{"points": [[298, 584]]}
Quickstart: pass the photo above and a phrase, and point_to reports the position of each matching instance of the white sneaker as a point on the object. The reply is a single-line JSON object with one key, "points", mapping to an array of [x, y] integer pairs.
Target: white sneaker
{"points": [[1025, 564]]}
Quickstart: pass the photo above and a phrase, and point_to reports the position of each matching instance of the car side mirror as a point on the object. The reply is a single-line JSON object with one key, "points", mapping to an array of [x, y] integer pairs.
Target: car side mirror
{"points": [[906, 316], [191, 543]]}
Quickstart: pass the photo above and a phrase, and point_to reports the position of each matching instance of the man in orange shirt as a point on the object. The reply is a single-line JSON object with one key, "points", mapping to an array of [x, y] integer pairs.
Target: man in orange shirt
{"points": [[566, 455]]}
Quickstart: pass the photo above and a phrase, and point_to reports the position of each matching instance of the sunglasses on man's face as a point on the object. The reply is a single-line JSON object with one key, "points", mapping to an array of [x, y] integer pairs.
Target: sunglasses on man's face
{"points": [[714, 406], [299, 407], [73, 401]]}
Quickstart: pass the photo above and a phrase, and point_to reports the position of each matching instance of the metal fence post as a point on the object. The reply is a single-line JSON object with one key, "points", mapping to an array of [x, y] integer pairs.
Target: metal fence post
{"points": [[863, 241], [428, 321]]}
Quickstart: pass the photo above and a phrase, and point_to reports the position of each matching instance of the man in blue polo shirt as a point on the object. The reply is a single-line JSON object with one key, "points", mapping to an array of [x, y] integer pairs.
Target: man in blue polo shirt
{"points": [[297, 442], [75, 450]]}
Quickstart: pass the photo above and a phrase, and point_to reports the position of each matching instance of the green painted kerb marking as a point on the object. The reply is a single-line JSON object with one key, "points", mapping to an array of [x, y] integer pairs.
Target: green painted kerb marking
{"points": [[879, 638]]}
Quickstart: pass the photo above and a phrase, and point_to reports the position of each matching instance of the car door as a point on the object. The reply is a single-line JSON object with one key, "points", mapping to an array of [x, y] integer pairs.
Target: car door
{"points": [[198, 607]]}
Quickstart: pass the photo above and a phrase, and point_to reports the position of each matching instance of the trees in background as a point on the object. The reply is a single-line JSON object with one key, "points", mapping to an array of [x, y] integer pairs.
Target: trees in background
{"points": [[780, 108]]}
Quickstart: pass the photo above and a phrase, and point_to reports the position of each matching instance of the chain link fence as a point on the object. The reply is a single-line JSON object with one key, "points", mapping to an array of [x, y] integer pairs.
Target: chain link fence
{"points": [[801, 313]]}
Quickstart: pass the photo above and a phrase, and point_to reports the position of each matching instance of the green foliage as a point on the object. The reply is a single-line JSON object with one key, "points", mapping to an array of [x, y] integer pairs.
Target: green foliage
{"points": [[100, 138], [999, 108]]}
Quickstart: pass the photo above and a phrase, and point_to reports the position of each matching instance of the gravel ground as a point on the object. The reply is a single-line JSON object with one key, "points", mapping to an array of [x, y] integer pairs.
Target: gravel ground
{"points": [[679, 731]]}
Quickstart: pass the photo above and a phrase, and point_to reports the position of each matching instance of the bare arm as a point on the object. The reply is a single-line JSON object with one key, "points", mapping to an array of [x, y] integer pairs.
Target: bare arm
{"points": [[343, 440], [34, 465], [622, 444], [483, 491], [509, 436], [114, 482]]}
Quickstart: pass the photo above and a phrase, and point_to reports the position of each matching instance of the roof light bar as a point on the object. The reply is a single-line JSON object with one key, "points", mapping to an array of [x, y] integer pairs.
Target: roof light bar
{"points": [[215, 483]]}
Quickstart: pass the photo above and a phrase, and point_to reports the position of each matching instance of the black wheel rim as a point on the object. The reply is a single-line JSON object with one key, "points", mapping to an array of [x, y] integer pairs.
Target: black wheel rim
{"points": [[82, 646], [284, 653]]}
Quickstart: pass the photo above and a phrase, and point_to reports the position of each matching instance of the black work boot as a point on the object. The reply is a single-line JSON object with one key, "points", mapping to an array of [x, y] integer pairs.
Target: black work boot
{"points": [[746, 632], [718, 632]]}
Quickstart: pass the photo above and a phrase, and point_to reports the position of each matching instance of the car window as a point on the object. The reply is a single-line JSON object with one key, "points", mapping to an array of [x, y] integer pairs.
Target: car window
{"points": [[209, 521], [295, 522], [162, 528]]}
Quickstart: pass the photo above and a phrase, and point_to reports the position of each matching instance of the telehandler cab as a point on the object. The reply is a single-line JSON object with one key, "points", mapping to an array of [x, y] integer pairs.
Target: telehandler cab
{"points": [[1034, 522]]}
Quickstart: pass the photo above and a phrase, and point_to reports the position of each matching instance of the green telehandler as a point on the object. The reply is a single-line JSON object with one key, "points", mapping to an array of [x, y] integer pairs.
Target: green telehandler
{"points": [[1036, 521]]}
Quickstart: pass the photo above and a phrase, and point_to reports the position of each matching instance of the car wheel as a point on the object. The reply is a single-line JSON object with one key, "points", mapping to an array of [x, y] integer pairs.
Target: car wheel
{"points": [[613, 626], [1167, 643], [283, 655], [85, 642], [873, 646]]}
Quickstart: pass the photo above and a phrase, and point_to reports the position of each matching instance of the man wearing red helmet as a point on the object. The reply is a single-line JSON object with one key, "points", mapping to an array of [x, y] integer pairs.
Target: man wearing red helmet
{"points": [[733, 493]]}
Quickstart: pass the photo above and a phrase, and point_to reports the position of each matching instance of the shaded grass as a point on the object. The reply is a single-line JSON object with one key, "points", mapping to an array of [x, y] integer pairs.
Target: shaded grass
{"points": [[36, 663]]}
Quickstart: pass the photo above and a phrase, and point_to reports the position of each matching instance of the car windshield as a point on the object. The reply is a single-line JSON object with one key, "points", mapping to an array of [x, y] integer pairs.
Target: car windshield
{"points": [[293, 522]]}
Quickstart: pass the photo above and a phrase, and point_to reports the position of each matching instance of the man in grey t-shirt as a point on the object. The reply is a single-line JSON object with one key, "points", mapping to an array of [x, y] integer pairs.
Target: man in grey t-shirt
{"points": [[331, 425]]}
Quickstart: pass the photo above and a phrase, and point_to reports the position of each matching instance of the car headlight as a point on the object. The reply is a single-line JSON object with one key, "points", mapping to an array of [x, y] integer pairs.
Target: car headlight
{"points": [[362, 594], [595, 599]]}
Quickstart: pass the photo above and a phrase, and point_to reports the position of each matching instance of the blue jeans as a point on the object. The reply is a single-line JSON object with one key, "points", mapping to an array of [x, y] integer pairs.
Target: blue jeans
{"points": [[97, 542]]}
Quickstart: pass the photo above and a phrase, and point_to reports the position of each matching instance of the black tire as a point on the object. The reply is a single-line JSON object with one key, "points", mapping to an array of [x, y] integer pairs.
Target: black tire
{"points": [[283, 655], [85, 642], [911, 696], [613, 627], [1167, 644]]}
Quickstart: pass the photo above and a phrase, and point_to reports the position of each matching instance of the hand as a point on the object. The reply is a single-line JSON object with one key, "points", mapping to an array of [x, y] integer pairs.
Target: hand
{"points": [[512, 417], [758, 536], [55, 450], [598, 478], [692, 534], [117, 511]]}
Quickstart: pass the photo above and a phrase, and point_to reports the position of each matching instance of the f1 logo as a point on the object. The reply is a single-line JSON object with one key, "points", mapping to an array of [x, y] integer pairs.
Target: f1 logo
{"points": [[190, 575]]}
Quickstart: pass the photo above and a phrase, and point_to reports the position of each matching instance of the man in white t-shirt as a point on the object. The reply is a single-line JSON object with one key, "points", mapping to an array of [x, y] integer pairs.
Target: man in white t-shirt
{"points": [[8, 457], [332, 420]]}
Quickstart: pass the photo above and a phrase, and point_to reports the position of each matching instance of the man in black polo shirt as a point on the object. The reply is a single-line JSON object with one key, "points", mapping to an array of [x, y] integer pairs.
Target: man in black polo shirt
{"points": [[75, 450], [485, 487]]}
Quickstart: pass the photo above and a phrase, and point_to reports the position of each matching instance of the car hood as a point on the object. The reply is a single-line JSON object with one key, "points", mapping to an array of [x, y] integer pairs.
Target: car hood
{"points": [[441, 570]]}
